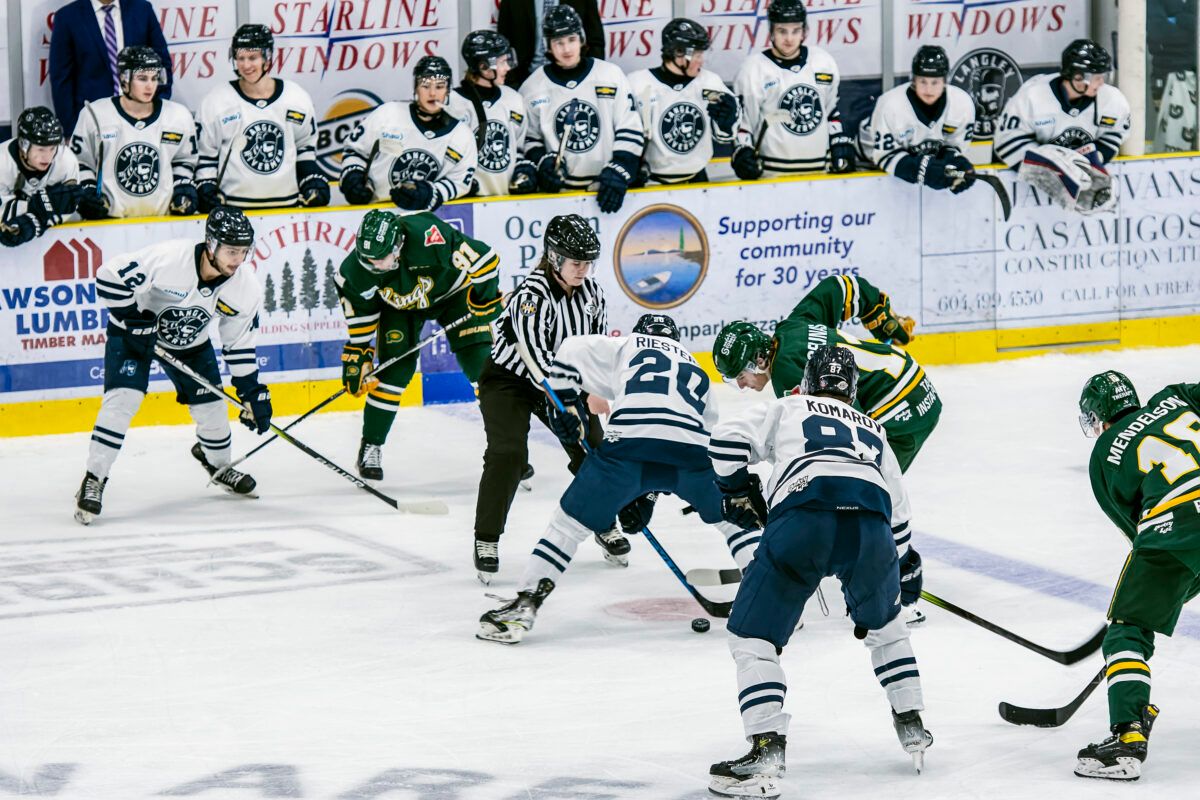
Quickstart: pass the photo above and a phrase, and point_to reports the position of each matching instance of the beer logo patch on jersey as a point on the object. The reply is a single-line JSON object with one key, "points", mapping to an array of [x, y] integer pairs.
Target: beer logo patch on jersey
{"points": [[181, 327], [682, 127], [414, 165], [496, 153], [991, 77], [263, 151], [803, 105], [137, 168], [1072, 138], [584, 122]]}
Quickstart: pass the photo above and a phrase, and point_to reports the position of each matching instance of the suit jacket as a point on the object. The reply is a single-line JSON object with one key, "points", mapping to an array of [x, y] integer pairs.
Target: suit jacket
{"points": [[518, 22], [79, 69]]}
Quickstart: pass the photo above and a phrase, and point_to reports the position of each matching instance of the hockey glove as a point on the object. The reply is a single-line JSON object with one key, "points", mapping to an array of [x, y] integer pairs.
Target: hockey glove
{"points": [[932, 173], [567, 425], [258, 397], [746, 164], [139, 330], [636, 515], [614, 182], [209, 196], [53, 203], [355, 188], [911, 580], [524, 178], [962, 171], [314, 191], [841, 154], [549, 177], [484, 301], [358, 362], [19, 230], [886, 326], [185, 201], [724, 114], [91, 204], [1090, 152], [742, 501], [418, 196]]}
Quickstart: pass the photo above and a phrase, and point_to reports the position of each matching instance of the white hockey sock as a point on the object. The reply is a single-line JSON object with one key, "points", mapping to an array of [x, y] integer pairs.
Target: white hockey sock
{"points": [[554, 551], [108, 434], [895, 665], [742, 543], [212, 431], [761, 686]]}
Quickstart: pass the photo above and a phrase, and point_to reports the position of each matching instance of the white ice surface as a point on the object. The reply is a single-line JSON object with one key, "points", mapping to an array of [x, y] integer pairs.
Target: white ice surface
{"points": [[243, 667]]}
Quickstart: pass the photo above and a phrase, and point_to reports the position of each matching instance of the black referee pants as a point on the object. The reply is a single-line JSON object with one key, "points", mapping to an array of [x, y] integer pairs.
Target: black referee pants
{"points": [[507, 402]]}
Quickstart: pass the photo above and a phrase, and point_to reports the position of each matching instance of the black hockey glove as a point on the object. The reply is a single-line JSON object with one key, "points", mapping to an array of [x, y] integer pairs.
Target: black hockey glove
{"points": [[418, 196], [642, 177], [742, 501], [614, 182], [550, 178], [55, 202], [140, 331], [746, 164], [911, 580], [252, 393], [355, 188], [956, 162], [209, 196], [185, 201], [524, 178], [91, 204], [636, 515], [19, 230], [314, 191], [724, 113], [841, 154], [932, 173], [568, 424]]}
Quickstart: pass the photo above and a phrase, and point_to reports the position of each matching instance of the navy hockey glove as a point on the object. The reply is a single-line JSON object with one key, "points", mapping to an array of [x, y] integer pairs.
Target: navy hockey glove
{"points": [[524, 178], [614, 182], [185, 201], [567, 425], [418, 196], [841, 154], [314, 191], [932, 173], [724, 113], [91, 204], [19, 230], [742, 501], [53, 203], [550, 178], [962, 171], [209, 195], [355, 188], [746, 164], [252, 393], [636, 515], [911, 580], [140, 331]]}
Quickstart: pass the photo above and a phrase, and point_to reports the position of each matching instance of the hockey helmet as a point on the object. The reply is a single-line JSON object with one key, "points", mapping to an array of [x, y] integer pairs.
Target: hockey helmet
{"points": [[379, 234], [739, 346], [562, 21], [1085, 57], [1104, 398], [682, 36], [139, 58], [431, 68], [930, 62], [787, 11], [569, 236], [228, 226], [657, 325], [38, 126], [253, 36], [482, 49], [831, 370]]}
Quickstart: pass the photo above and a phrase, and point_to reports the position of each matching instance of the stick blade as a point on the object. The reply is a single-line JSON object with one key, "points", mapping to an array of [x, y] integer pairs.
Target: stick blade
{"points": [[428, 507], [1039, 717], [714, 577]]}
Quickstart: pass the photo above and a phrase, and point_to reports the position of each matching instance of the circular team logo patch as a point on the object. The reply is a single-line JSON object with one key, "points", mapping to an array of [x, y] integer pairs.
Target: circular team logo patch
{"points": [[496, 154], [263, 151], [682, 127], [181, 327], [803, 104], [412, 166], [584, 121], [661, 256], [991, 77], [1072, 138], [137, 168]]}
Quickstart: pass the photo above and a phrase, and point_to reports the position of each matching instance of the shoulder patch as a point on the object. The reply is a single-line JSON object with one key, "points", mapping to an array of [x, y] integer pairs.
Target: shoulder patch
{"points": [[297, 117], [824, 77], [225, 309], [171, 137], [434, 235], [1108, 121], [453, 155], [529, 308], [948, 130], [606, 92], [516, 117]]}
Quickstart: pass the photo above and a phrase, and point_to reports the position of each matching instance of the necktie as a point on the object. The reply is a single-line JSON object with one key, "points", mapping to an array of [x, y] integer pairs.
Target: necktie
{"points": [[110, 43]]}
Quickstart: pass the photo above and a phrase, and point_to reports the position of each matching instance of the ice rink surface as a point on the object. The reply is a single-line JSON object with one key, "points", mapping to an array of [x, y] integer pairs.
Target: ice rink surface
{"points": [[313, 643]]}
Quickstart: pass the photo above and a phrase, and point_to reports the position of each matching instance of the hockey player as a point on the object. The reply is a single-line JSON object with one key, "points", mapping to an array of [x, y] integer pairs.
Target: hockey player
{"points": [[834, 490], [258, 134], [405, 270], [892, 388], [584, 131], [483, 95], [167, 294], [1145, 474], [789, 95], [39, 178], [919, 130], [415, 155], [1062, 129], [685, 108], [137, 152], [662, 412]]}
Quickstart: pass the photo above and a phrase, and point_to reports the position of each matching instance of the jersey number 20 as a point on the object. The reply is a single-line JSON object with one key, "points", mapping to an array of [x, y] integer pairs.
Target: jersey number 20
{"points": [[651, 378]]}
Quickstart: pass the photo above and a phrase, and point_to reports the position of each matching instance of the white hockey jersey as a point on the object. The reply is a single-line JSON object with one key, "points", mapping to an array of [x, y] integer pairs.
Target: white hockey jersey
{"points": [[597, 103], [18, 183], [1039, 113], [900, 126], [674, 111], [661, 403], [825, 453], [164, 278], [395, 147], [136, 162], [264, 148], [503, 137], [792, 107]]}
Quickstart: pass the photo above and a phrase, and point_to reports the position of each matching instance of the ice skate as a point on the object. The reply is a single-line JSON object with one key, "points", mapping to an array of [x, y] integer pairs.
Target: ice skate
{"points": [[89, 498], [615, 546], [509, 623], [230, 480], [913, 616], [1120, 756], [487, 560], [755, 774], [370, 461], [913, 737], [526, 477]]}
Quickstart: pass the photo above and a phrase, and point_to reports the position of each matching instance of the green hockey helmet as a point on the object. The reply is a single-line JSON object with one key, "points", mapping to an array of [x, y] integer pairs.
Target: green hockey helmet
{"points": [[379, 234], [738, 347], [1104, 398]]}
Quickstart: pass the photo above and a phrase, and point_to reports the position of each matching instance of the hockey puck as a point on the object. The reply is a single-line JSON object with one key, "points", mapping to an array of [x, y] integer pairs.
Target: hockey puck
{"points": [[700, 625]]}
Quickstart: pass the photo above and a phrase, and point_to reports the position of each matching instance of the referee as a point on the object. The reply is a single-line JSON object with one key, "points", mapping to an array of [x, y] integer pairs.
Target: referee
{"points": [[558, 299]]}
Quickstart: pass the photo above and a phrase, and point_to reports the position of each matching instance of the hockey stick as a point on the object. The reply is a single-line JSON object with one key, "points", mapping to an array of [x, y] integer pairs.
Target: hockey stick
{"points": [[713, 609], [568, 128], [714, 577], [958, 175], [233, 143], [423, 507], [1061, 656], [1050, 717], [100, 139]]}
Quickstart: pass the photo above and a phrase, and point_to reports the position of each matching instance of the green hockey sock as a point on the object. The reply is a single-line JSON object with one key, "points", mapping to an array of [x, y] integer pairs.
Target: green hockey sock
{"points": [[1127, 651]]}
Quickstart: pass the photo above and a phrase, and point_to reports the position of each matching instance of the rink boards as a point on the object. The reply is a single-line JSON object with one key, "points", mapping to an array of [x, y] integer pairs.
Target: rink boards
{"points": [[981, 288]]}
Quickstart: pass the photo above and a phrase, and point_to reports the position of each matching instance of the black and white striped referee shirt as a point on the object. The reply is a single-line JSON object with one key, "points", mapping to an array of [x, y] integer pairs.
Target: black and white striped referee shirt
{"points": [[542, 315]]}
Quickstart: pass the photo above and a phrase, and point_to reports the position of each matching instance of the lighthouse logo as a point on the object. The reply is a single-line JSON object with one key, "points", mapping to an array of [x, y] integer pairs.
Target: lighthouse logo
{"points": [[661, 257]]}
